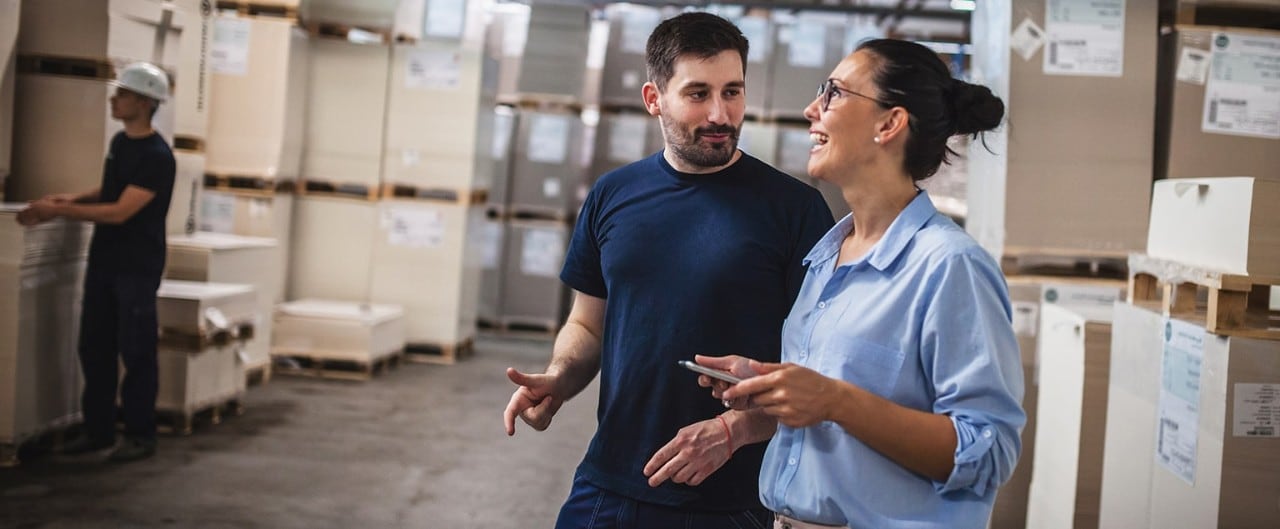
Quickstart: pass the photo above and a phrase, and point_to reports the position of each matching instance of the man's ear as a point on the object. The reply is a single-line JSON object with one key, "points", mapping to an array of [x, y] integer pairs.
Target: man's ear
{"points": [[650, 94]]}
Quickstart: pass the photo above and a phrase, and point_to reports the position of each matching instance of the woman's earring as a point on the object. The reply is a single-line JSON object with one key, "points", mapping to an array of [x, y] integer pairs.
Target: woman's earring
{"points": [[876, 139]]}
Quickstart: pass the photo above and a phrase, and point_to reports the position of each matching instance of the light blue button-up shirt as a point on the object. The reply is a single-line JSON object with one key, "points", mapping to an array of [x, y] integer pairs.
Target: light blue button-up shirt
{"points": [[924, 320]]}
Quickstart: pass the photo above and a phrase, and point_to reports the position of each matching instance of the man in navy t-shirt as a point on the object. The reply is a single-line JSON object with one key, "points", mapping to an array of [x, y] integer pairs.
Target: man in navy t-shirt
{"points": [[126, 260], [694, 250]]}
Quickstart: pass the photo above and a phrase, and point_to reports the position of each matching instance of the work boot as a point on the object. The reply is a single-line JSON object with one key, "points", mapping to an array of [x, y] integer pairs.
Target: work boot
{"points": [[133, 449], [84, 445]]}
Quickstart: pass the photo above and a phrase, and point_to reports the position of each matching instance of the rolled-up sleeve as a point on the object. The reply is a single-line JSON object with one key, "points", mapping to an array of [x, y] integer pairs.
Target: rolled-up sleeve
{"points": [[971, 356]]}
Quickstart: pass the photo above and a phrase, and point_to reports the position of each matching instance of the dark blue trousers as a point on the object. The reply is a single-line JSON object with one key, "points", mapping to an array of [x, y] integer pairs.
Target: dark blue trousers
{"points": [[118, 325], [590, 507]]}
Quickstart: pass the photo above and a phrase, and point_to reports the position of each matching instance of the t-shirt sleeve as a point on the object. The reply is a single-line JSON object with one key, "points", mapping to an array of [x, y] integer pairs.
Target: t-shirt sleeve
{"points": [[815, 222], [582, 270], [155, 173]]}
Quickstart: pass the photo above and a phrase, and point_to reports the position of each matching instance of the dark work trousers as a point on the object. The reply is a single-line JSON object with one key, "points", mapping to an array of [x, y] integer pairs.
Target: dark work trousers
{"points": [[591, 507], [118, 324]]}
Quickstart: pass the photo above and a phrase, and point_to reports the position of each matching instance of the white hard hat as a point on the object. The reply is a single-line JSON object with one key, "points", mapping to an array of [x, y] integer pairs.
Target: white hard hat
{"points": [[146, 79]]}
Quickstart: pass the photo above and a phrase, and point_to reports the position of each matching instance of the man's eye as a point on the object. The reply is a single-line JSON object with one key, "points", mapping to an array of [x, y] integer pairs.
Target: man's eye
{"points": [[702, 94]]}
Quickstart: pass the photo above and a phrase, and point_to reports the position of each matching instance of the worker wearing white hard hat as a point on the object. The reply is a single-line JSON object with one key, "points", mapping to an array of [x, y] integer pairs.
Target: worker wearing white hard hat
{"points": [[126, 260]]}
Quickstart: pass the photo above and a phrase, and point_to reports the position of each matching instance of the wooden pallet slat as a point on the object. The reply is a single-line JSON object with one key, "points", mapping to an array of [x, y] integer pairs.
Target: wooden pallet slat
{"points": [[448, 354], [259, 9], [1226, 304], [242, 331], [466, 197], [309, 364], [325, 188]]}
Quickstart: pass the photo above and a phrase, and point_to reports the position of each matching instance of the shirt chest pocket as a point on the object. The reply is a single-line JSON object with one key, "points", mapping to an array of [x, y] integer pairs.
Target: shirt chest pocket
{"points": [[868, 365]]}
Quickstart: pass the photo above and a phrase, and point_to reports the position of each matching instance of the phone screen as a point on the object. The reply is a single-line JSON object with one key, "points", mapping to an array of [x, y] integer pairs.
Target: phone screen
{"points": [[713, 373]]}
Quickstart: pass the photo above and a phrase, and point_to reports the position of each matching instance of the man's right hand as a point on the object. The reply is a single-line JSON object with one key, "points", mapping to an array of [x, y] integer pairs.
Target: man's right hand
{"points": [[62, 198], [532, 401]]}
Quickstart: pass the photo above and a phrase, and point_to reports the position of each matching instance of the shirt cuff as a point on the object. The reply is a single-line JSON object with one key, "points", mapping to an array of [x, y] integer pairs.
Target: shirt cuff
{"points": [[973, 443]]}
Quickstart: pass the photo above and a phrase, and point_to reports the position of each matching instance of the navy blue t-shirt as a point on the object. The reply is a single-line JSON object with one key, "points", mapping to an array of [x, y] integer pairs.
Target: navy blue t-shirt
{"points": [[689, 264], [136, 246]]}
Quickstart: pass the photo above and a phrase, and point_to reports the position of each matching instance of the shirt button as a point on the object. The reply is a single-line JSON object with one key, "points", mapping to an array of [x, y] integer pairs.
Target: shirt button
{"points": [[786, 511], [986, 433], [822, 304], [791, 461]]}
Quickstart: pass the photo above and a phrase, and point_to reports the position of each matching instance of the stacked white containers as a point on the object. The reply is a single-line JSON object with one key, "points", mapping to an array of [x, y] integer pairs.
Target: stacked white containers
{"points": [[68, 51], [41, 277], [191, 103]]}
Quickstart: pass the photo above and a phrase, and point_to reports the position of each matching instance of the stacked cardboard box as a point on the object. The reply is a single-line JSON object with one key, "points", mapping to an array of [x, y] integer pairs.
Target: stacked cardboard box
{"points": [[492, 241], [41, 277], [66, 119], [622, 138], [553, 56], [533, 296], [806, 50], [330, 330], [623, 71], [191, 115], [332, 248], [547, 167], [199, 355], [253, 215], [346, 107], [1053, 161], [223, 258]]}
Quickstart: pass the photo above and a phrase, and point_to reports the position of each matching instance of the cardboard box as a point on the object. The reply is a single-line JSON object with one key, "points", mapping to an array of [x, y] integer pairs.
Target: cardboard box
{"points": [[192, 81], [347, 103], [624, 68], [805, 51], [1186, 145], [434, 83], [492, 242], [365, 14], [259, 95], [190, 381], [1233, 424], [547, 167], [504, 131], [532, 291], [1225, 224], [66, 130], [1075, 358], [184, 205], [553, 59], [202, 309], [760, 33], [338, 330], [115, 30], [332, 248], [1027, 294], [622, 138], [269, 217], [1056, 161], [426, 259]]}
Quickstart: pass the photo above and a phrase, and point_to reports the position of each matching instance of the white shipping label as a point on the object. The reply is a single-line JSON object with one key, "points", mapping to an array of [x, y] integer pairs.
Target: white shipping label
{"points": [[217, 212], [626, 137], [1068, 294], [637, 24], [1256, 410], [433, 69], [1026, 39], [1243, 93], [415, 227], [808, 48], [1179, 407], [1193, 66], [1084, 37], [793, 155], [445, 18], [542, 253], [551, 187], [549, 138], [1026, 318], [229, 54], [259, 207], [756, 30], [490, 245]]}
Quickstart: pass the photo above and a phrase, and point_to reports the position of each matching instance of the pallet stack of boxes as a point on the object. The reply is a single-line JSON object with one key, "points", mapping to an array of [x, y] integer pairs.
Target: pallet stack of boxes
{"points": [[41, 282], [1193, 429], [191, 100], [1050, 161]]}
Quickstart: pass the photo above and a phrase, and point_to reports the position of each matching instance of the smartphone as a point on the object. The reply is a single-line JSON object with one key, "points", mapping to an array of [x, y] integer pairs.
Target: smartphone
{"points": [[713, 373]]}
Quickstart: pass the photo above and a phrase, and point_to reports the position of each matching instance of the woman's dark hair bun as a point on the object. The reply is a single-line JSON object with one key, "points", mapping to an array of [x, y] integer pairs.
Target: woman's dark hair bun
{"points": [[976, 108]]}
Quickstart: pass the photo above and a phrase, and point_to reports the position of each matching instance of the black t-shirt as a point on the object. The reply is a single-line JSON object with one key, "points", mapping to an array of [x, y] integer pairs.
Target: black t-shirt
{"points": [[138, 244], [689, 264]]}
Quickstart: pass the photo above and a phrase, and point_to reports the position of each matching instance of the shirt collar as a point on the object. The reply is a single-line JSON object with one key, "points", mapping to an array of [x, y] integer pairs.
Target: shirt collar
{"points": [[895, 240]]}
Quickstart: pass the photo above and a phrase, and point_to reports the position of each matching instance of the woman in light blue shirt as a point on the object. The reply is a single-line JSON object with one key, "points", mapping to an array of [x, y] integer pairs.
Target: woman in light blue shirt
{"points": [[898, 399]]}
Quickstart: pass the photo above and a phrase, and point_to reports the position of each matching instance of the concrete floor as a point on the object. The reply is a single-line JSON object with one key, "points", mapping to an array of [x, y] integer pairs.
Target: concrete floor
{"points": [[420, 446]]}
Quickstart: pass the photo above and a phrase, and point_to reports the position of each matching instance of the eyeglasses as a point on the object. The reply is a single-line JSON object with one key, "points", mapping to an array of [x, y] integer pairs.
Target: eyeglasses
{"points": [[828, 91]]}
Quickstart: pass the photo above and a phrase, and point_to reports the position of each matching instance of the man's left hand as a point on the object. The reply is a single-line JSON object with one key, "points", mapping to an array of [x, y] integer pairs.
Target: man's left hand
{"points": [[697, 451]]}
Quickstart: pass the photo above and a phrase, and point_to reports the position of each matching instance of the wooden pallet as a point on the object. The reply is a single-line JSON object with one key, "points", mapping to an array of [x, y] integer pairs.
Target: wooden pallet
{"points": [[307, 364], [351, 33], [259, 9], [176, 422], [539, 102], [67, 66], [1072, 263], [405, 191], [258, 375], [216, 337], [1227, 304], [1228, 13], [535, 329], [325, 188], [450, 354], [536, 213], [252, 185], [188, 144]]}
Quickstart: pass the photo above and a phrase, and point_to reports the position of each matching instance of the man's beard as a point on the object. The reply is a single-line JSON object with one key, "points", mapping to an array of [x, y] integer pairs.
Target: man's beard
{"points": [[688, 148]]}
